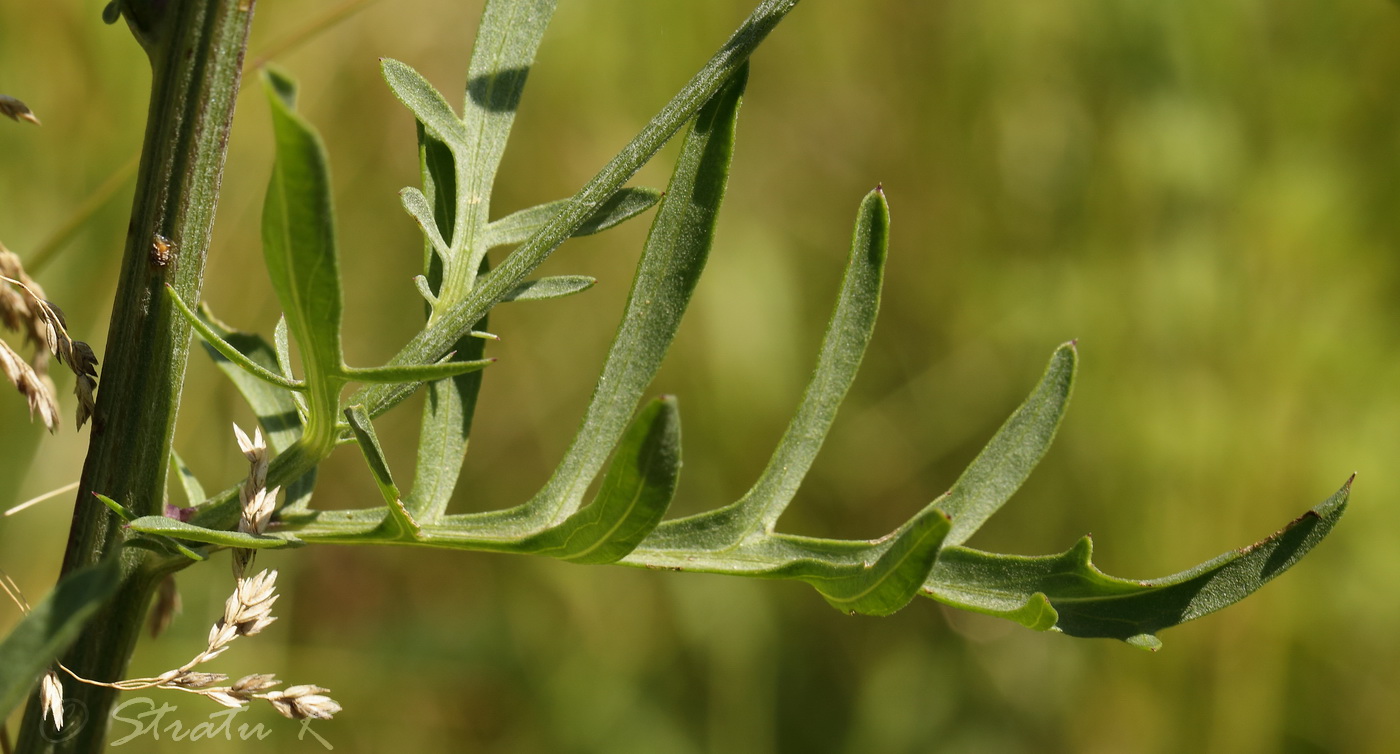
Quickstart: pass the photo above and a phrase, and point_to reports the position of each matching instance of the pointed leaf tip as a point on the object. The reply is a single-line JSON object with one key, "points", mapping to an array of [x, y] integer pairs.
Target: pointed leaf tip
{"points": [[280, 85]]}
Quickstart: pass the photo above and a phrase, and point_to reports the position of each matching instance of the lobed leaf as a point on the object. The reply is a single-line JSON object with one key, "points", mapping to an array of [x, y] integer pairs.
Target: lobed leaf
{"points": [[454, 321], [38, 639], [506, 42], [456, 318], [460, 185]]}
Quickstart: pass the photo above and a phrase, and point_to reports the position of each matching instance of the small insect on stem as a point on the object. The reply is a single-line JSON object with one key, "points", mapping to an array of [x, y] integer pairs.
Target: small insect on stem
{"points": [[162, 250]]}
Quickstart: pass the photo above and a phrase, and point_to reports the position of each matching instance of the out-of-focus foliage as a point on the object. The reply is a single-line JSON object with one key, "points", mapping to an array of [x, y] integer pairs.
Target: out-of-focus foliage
{"points": [[1202, 193]]}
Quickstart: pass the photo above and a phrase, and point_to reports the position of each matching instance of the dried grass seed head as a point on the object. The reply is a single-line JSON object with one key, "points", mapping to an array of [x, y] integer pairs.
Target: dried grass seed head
{"points": [[51, 698], [302, 702], [37, 390]]}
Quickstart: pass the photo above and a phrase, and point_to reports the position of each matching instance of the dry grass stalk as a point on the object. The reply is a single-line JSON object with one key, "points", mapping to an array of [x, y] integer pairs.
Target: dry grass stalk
{"points": [[26, 310]]}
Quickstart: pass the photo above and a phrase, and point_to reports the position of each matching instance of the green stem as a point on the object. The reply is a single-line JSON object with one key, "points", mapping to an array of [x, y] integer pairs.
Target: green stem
{"points": [[196, 50]]}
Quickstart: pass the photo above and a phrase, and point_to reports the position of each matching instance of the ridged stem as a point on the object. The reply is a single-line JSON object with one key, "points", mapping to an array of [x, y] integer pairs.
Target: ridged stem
{"points": [[196, 50]]}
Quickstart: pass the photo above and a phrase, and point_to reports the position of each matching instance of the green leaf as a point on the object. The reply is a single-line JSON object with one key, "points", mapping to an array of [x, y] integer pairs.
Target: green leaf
{"points": [[220, 347], [447, 411], [634, 495], [557, 286], [273, 405], [300, 252], [373, 453], [38, 639], [282, 347], [506, 42], [442, 438], [416, 204], [672, 260], [458, 317], [169, 527], [194, 491], [277, 409], [1067, 593], [418, 372], [874, 578], [401, 523], [843, 346], [123, 512], [439, 169], [425, 102], [425, 290], [894, 579], [1003, 465], [519, 226]]}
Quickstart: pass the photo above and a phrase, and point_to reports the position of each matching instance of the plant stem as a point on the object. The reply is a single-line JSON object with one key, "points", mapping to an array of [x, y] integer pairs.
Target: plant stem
{"points": [[196, 50]]}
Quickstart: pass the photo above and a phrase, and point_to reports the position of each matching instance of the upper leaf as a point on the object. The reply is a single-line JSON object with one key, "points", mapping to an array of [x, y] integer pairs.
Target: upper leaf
{"points": [[300, 250]]}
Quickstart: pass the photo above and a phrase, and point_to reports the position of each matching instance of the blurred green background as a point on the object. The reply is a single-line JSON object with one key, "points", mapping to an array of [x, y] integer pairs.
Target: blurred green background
{"points": [[1206, 194]]}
